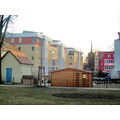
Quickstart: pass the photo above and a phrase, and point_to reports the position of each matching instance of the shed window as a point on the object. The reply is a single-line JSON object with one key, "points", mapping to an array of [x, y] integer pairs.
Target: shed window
{"points": [[84, 75]]}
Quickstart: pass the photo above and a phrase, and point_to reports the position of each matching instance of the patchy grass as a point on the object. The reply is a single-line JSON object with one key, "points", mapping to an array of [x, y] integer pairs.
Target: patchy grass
{"points": [[42, 96]]}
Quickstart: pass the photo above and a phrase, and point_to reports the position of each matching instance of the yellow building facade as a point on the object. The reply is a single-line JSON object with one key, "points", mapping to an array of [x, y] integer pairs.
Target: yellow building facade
{"points": [[43, 51], [73, 58]]}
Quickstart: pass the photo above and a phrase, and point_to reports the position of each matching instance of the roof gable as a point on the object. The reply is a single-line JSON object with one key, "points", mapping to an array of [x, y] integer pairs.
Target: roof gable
{"points": [[19, 56]]}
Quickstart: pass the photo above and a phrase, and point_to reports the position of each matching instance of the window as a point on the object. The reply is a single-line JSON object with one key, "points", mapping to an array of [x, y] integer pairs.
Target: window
{"points": [[101, 55], [32, 58], [12, 40], [49, 68], [20, 40], [19, 48], [105, 60], [53, 52], [84, 75], [106, 67], [52, 68], [71, 53], [109, 55], [32, 48], [53, 62], [33, 39]]}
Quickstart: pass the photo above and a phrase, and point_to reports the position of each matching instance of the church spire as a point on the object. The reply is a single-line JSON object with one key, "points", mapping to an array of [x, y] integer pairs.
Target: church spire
{"points": [[91, 46]]}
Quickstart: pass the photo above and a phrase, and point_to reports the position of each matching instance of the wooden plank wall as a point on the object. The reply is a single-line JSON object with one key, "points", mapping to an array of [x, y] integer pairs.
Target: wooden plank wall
{"points": [[71, 78]]}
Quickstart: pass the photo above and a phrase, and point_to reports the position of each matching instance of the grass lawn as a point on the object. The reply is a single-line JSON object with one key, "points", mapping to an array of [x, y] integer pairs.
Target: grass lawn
{"points": [[42, 96]]}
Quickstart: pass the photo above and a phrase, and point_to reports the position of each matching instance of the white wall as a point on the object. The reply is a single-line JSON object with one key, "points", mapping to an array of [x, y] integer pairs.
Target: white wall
{"points": [[26, 69], [10, 62], [45, 54], [117, 55], [18, 69], [61, 56]]}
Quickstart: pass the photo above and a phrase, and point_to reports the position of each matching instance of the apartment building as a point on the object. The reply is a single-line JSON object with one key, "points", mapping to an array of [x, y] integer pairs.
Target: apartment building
{"points": [[96, 63], [43, 51], [73, 58], [30, 44], [104, 61], [56, 55]]}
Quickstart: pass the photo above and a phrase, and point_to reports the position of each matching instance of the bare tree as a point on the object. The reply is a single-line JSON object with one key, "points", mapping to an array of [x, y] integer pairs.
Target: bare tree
{"points": [[4, 21], [111, 47]]}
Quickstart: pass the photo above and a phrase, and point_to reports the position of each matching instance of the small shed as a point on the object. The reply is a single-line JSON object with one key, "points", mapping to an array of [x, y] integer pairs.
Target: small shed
{"points": [[15, 64], [70, 77], [28, 80]]}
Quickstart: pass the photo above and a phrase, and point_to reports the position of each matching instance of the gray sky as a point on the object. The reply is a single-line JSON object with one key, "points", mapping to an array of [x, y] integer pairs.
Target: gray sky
{"points": [[75, 22]]}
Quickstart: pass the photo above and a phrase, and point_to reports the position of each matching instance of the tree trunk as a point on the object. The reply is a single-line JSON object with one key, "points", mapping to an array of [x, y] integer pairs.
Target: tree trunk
{"points": [[3, 28], [0, 68]]}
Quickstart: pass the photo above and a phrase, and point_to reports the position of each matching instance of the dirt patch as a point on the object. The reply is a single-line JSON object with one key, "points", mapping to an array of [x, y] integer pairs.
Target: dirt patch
{"points": [[85, 96]]}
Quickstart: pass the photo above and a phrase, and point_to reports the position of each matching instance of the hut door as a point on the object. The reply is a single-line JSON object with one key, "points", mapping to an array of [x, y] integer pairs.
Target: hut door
{"points": [[77, 79], [8, 74]]}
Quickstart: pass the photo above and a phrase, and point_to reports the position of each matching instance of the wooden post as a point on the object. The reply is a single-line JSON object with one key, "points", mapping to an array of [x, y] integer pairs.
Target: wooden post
{"points": [[38, 75], [44, 75]]}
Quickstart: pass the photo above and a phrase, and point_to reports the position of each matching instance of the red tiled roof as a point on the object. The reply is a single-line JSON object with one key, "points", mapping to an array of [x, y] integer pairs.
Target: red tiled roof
{"points": [[21, 57]]}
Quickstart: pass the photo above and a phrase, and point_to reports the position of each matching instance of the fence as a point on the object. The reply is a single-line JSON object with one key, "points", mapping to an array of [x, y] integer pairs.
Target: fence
{"points": [[104, 83]]}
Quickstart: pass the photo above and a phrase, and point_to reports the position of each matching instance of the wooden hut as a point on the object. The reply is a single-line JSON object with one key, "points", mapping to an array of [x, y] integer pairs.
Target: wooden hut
{"points": [[70, 77]]}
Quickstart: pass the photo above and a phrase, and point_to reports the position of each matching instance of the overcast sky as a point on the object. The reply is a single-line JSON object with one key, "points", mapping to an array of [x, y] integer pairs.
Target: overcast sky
{"points": [[75, 22]]}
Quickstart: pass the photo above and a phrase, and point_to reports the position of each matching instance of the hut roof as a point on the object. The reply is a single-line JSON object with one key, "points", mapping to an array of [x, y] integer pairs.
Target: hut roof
{"points": [[20, 57], [72, 69]]}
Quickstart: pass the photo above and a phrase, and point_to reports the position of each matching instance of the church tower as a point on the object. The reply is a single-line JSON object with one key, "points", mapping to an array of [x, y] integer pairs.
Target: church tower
{"points": [[90, 65], [91, 46]]}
